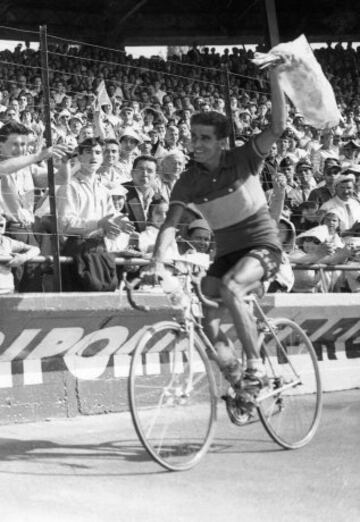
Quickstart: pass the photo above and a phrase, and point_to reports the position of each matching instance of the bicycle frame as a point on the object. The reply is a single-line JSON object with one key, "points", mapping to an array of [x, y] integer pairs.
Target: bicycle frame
{"points": [[192, 315]]}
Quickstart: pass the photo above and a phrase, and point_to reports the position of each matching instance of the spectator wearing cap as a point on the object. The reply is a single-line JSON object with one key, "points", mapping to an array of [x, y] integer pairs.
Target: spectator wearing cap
{"points": [[129, 141], [62, 125], [300, 194], [304, 177], [326, 191], [199, 236], [127, 115], [344, 200], [141, 191], [270, 168], [350, 153], [313, 247], [75, 125]]}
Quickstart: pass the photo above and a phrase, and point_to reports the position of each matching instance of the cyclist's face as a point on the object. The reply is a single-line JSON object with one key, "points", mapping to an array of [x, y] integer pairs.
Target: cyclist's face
{"points": [[206, 145]]}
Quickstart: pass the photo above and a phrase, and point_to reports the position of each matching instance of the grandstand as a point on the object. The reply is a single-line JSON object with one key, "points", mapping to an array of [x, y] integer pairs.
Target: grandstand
{"points": [[166, 92]]}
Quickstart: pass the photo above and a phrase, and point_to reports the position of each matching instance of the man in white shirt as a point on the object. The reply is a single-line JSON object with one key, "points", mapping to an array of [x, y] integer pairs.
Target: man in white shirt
{"points": [[85, 206], [17, 183], [344, 200]]}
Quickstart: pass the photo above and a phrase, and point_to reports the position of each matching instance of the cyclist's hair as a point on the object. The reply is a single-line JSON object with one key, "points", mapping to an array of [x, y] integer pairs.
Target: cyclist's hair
{"points": [[144, 157], [214, 119], [12, 127], [89, 143]]}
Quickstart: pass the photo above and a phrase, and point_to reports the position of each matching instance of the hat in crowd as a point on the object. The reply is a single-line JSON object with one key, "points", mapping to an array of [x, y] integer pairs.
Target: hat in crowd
{"points": [[199, 223], [319, 232], [351, 169], [354, 144], [65, 113], [76, 116], [304, 164], [298, 115], [335, 211], [127, 108], [332, 164], [119, 190], [129, 132], [244, 111], [286, 162], [344, 177]]}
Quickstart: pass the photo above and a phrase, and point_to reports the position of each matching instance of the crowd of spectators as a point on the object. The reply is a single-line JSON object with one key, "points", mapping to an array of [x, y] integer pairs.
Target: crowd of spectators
{"points": [[125, 126]]}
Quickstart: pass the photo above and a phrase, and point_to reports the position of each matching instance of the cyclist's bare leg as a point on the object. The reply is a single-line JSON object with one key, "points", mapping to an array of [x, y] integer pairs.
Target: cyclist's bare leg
{"points": [[241, 279], [226, 356], [213, 318]]}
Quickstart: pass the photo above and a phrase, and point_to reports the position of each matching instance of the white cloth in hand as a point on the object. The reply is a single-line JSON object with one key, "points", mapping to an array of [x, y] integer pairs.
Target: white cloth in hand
{"points": [[303, 81]]}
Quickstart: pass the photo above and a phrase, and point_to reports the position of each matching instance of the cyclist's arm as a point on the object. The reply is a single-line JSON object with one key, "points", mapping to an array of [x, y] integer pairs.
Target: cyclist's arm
{"points": [[265, 139], [167, 233]]}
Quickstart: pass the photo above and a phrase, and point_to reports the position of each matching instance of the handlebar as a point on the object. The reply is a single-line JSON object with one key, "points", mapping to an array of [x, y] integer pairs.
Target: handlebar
{"points": [[180, 267]]}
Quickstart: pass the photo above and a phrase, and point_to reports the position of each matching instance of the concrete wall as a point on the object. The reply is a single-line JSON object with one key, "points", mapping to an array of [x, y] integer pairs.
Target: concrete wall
{"points": [[65, 355]]}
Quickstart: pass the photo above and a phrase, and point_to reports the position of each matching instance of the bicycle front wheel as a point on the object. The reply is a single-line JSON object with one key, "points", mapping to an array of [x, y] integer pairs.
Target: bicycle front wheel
{"points": [[172, 395], [290, 406]]}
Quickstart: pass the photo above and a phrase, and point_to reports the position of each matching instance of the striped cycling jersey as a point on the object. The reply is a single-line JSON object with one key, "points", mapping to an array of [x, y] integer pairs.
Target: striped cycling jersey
{"points": [[231, 199]]}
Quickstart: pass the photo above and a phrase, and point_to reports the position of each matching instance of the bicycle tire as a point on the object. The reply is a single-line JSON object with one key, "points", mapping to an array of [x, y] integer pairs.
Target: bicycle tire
{"points": [[172, 396], [291, 416]]}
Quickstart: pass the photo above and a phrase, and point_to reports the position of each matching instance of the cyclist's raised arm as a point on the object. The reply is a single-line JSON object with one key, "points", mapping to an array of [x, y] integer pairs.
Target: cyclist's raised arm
{"points": [[167, 232], [265, 139]]}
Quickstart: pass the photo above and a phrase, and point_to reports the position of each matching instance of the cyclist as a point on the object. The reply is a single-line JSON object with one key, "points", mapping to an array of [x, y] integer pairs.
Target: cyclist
{"points": [[225, 187]]}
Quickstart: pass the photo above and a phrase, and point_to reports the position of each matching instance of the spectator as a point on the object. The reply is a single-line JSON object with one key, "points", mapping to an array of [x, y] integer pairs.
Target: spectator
{"points": [[20, 253], [147, 238], [85, 206], [199, 236], [170, 168], [111, 172], [312, 249], [17, 192], [141, 191], [326, 191], [344, 200]]}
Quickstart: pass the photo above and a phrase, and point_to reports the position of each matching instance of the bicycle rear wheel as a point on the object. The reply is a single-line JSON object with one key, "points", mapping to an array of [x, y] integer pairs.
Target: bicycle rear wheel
{"points": [[172, 395], [290, 407]]}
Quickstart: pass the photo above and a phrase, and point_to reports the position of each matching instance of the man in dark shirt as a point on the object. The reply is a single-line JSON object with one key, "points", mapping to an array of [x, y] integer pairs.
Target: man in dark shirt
{"points": [[327, 191]]}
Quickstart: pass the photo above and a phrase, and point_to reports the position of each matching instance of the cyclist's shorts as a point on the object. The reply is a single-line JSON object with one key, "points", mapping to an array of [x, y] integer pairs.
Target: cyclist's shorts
{"points": [[270, 259]]}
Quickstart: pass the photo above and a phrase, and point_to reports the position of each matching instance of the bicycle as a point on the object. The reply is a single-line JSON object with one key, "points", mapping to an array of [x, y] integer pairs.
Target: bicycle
{"points": [[172, 391]]}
